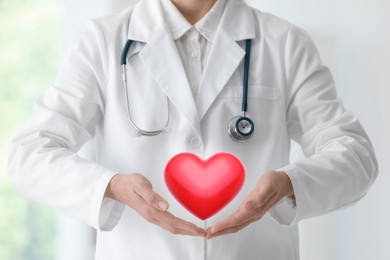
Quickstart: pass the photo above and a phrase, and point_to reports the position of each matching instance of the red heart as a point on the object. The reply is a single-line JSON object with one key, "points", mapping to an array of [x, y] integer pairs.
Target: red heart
{"points": [[204, 187]]}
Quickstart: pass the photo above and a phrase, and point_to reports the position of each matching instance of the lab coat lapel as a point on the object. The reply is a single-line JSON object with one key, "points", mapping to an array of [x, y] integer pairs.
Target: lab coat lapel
{"points": [[237, 25], [225, 56], [160, 56]]}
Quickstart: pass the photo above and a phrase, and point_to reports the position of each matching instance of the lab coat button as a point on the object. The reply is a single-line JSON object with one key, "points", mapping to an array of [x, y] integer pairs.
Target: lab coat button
{"points": [[194, 54], [195, 142]]}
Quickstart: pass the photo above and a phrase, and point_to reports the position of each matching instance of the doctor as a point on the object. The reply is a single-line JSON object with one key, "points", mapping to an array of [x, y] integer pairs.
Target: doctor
{"points": [[184, 79]]}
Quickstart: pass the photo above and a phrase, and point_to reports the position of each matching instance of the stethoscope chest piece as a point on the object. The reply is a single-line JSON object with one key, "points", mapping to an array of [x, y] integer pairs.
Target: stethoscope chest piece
{"points": [[241, 128]]}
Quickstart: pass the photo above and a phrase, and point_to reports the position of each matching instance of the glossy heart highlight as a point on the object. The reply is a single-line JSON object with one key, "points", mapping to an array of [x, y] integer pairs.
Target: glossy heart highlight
{"points": [[204, 187]]}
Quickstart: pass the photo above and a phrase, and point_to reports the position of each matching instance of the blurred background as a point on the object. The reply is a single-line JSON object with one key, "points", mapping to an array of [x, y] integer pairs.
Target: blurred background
{"points": [[353, 37]]}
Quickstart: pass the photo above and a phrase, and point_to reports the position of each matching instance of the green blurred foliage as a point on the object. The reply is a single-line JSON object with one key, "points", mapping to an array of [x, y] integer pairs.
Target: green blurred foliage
{"points": [[29, 56]]}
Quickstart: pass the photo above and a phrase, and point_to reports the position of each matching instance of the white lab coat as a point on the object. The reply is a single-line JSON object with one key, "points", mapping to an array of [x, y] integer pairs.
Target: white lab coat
{"points": [[291, 96]]}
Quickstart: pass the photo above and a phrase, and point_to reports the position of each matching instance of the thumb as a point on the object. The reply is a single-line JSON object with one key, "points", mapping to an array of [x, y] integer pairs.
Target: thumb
{"points": [[152, 198]]}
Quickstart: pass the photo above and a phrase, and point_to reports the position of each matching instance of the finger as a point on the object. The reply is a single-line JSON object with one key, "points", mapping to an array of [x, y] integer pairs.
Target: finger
{"points": [[168, 221], [264, 194], [179, 226], [239, 217], [243, 215], [229, 230], [143, 208], [145, 191], [165, 219], [258, 202], [233, 229], [259, 197]]}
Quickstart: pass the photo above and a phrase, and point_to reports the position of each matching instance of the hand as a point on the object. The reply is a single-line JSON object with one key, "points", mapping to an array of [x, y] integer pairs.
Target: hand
{"points": [[136, 191], [270, 188]]}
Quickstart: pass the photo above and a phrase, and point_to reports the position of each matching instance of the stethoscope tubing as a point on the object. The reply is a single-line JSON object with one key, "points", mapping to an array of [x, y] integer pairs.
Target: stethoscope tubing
{"points": [[126, 90], [248, 47], [125, 52], [234, 125]]}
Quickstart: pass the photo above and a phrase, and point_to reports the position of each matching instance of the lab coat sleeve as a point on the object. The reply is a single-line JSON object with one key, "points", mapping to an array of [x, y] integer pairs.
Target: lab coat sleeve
{"points": [[339, 164], [43, 162]]}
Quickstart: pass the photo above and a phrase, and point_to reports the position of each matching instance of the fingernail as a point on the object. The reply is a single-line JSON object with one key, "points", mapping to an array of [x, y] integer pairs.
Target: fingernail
{"points": [[162, 205], [249, 205]]}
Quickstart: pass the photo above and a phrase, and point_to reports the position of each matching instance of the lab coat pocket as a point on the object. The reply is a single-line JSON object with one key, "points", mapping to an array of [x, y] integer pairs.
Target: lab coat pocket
{"points": [[264, 102], [254, 91]]}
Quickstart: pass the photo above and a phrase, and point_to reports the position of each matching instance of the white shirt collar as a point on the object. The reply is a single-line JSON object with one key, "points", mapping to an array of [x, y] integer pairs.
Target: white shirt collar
{"points": [[178, 25], [147, 20]]}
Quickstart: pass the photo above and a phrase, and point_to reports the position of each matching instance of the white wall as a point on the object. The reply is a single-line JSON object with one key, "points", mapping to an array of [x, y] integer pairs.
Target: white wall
{"points": [[353, 37]]}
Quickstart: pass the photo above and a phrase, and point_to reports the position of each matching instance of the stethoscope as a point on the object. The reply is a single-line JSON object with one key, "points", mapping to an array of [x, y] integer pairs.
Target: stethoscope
{"points": [[240, 128]]}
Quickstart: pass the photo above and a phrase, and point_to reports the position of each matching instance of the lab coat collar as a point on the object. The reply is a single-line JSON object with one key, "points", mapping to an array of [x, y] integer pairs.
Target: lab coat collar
{"points": [[226, 54], [208, 25], [174, 20], [147, 25], [162, 59]]}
